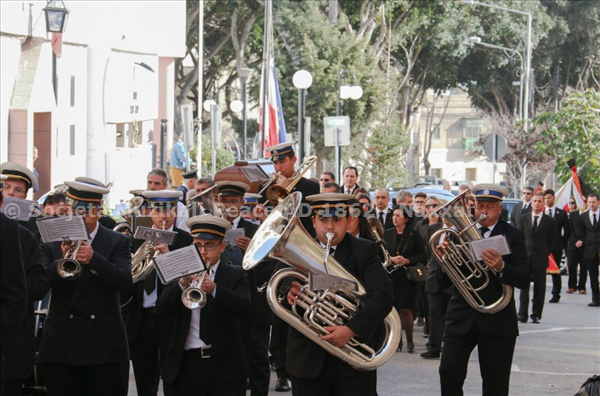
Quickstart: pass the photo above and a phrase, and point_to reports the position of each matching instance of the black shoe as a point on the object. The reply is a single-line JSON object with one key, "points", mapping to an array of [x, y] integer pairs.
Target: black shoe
{"points": [[283, 385], [555, 298], [535, 319], [594, 303], [522, 318], [430, 355]]}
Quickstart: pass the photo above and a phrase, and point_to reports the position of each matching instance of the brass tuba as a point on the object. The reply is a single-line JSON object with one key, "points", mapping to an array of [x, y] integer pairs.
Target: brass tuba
{"points": [[276, 194], [478, 283], [282, 237]]}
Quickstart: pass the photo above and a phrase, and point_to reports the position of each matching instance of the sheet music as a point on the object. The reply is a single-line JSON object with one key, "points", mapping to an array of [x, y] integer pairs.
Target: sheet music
{"points": [[254, 173], [178, 263], [158, 236], [232, 235], [57, 229], [19, 209], [498, 243]]}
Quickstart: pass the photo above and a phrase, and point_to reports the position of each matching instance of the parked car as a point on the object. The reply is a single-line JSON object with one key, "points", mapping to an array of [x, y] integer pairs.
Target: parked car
{"points": [[509, 204]]}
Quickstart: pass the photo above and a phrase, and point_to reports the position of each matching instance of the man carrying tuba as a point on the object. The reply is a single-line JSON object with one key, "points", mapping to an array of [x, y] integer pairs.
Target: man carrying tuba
{"points": [[202, 349], [312, 368], [142, 318], [494, 334]]}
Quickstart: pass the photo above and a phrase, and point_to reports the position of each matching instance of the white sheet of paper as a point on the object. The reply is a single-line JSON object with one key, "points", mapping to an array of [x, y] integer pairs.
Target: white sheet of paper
{"points": [[19, 209], [232, 235], [57, 229], [498, 243], [178, 263]]}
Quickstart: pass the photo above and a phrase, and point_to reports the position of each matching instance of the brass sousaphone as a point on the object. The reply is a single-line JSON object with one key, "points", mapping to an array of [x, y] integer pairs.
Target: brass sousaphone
{"points": [[282, 237]]}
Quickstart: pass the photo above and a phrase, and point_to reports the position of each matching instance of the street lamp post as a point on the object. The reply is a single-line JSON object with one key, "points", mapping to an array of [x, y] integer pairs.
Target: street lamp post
{"points": [[508, 52], [244, 75], [354, 92], [212, 106], [302, 81], [527, 73], [56, 22]]}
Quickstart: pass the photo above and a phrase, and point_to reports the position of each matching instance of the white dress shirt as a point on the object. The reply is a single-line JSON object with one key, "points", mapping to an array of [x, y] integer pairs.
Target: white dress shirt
{"points": [[182, 216], [193, 340], [150, 299]]}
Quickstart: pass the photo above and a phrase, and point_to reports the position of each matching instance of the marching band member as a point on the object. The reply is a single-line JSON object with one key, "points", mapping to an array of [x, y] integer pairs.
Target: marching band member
{"points": [[105, 220], [20, 352], [13, 288], [84, 343], [19, 180], [202, 350], [493, 334], [142, 318], [157, 180], [314, 371]]}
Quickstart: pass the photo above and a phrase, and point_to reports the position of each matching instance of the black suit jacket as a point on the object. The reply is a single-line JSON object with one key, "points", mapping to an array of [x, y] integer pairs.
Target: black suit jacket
{"points": [[387, 223], [460, 317], [13, 289], [356, 186], [135, 308], [517, 212], [563, 232], [539, 244], [577, 231], [224, 313], [433, 283], [21, 351], [305, 359], [84, 325], [591, 240]]}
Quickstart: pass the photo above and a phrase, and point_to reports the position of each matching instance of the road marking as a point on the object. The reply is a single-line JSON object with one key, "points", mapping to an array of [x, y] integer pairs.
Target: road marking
{"points": [[558, 329], [516, 368]]}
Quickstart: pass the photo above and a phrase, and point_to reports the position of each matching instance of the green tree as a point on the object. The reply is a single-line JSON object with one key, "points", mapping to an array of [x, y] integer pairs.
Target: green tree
{"points": [[574, 133]]}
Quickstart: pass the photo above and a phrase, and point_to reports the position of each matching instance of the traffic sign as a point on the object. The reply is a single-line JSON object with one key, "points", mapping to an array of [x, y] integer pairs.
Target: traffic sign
{"points": [[495, 147], [337, 129]]}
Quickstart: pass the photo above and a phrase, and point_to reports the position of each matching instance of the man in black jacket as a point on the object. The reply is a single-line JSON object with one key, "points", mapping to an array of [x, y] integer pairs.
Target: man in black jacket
{"points": [[522, 207], [540, 236], [13, 289], [314, 370], [142, 318], [203, 352], [84, 344], [575, 254], [590, 221], [563, 233], [494, 334], [19, 180]]}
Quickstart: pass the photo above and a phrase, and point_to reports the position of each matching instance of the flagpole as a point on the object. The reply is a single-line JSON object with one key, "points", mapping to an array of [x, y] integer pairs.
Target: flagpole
{"points": [[264, 82]]}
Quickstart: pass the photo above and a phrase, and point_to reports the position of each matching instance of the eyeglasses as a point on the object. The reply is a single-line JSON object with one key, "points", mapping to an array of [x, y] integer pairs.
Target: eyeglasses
{"points": [[209, 247], [571, 203], [431, 206], [18, 190]]}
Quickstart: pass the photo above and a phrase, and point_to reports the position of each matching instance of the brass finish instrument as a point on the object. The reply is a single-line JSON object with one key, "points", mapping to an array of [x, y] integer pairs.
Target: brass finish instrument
{"points": [[133, 205], [193, 297], [142, 262], [478, 283], [282, 237], [206, 200], [68, 267], [276, 194]]}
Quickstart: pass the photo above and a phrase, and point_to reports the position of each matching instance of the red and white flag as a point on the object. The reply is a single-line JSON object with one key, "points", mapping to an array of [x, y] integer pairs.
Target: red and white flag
{"points": [[572, 188], [57, 44]]}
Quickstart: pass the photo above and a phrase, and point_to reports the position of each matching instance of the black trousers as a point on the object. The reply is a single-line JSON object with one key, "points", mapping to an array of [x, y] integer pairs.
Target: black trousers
{"points": [[260, 372], [539, 293], [438, 302], [495, 360], [97, 380], [557, 278], [592, 266], [195, 377], [278, 346], [574, 259], [144, 353]]}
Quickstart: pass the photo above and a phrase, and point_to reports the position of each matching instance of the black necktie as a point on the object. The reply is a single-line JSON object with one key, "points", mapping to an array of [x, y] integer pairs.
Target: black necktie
{"points": [[150, 282], [595, 221], [381, 219], [535, 223], [483, 231]]}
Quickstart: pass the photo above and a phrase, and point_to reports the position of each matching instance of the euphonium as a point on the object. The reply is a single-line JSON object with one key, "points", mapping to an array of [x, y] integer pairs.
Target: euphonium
{"points": [[68, 267], [276, 194], [142, 262], [282, 237], [477, 282]]}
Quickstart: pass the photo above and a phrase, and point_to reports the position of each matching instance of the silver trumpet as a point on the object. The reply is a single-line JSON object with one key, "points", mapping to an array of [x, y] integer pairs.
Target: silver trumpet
{"points": [[193, 297], [68, 267], [282, 237]]}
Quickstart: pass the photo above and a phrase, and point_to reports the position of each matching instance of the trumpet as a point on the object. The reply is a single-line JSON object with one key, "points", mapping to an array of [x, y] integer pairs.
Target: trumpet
{"points": [[193, 297], [276, 194], [68, 267]]}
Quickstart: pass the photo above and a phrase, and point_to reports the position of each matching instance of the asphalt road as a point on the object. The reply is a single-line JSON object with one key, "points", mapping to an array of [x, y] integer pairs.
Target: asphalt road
{"points": [[551, 358]]}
